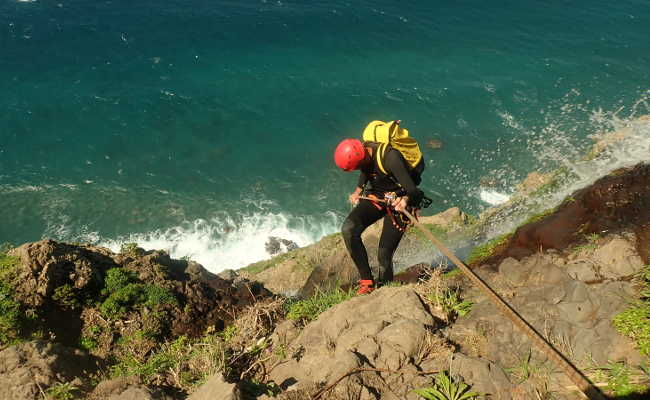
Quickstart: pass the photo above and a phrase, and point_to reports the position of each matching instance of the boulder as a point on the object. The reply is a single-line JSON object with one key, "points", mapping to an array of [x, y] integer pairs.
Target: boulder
{"points": [[27, 369], [216, 388], [365, 331], [618, 258]]}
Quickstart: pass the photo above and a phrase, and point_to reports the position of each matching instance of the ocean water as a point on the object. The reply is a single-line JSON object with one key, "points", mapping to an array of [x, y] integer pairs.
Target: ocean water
{"points": [[204, 127]]}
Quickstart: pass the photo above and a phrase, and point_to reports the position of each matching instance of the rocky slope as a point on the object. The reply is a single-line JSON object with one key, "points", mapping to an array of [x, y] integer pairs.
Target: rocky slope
{"points": [[81, 321]]}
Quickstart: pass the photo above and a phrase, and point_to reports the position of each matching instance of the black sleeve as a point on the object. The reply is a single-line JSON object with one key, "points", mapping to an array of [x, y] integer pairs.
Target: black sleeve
{"points": [[396, 165], [363, 179]]}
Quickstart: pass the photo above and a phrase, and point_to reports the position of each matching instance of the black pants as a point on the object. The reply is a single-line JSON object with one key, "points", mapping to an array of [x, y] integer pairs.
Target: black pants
{"points": [[361, 217]]}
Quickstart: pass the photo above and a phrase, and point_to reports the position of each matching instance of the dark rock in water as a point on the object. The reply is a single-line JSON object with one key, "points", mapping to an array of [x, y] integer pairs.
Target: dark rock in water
{"points": [[615, 203], [276, 245], [434, 144]]}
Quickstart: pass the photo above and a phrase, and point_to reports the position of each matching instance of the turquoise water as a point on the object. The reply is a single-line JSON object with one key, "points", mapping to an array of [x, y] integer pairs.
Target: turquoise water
{"points": [[205, 126]]}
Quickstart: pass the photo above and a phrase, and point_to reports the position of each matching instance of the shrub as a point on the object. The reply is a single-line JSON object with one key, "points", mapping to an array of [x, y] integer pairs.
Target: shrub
{"points": [[125, 294], [66, 296], [309, 309], [133, 296], [129, 249], [61, 391], [451, 303], [446, 388], [116, 279]]}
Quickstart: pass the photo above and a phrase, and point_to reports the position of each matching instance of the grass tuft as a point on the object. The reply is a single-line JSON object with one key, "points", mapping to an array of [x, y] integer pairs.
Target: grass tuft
{"points": [[309, 309], [486, 250], [634, 322]]}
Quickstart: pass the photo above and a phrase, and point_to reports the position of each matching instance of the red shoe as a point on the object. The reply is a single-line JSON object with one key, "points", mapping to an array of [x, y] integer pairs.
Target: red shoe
{"points": [[366, 286]]}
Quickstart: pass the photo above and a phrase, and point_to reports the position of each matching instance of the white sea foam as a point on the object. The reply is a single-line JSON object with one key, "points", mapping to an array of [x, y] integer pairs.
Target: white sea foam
{"points": [[492, 197], [220, 244], [554, 145]]}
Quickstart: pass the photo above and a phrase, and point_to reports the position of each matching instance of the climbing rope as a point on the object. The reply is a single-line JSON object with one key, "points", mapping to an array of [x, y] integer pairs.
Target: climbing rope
{"points": [[544, 346]]}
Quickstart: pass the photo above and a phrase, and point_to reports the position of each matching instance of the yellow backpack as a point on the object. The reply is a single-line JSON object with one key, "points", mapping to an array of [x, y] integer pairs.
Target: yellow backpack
{"points": [[390, 133]]}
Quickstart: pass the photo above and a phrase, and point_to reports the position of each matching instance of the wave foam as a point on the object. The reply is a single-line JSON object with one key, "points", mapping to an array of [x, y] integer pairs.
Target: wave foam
{"points": [[220, 244], [492, 197]]}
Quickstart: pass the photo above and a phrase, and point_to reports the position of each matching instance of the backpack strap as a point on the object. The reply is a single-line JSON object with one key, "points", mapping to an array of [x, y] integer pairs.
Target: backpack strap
{"points": [[381, 151]]}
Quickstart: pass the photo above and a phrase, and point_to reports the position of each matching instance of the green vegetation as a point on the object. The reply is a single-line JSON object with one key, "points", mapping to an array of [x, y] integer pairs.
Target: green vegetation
{"points": [[524, 369], [538, 217], [592, 243], [66, 296], [451, 303], [635, 321], [124, 294], [437, 231], [228, 333], [446, 388], [11, 316], [263, 265], [486, 250], [452, 273], [623, 380], [129, 249], [309, 309], [184, 362], [61, 391]]}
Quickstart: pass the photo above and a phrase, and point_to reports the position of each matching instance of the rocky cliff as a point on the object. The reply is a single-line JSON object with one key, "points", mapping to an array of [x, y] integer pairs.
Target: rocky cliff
{"points": [[83, 322]]}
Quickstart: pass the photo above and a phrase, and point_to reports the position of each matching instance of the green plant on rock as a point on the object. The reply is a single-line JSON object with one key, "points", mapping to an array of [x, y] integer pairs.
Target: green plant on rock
{"points": [[12, 318], [129, 249], [451, 303], [61, 391], [623, 380], [309, 309], [634, 322], [447, 388], [124, 294], [65, 295], [133, 296], [486, 250], [116, 279], [592, 243], [524, 369], [185, 363]]}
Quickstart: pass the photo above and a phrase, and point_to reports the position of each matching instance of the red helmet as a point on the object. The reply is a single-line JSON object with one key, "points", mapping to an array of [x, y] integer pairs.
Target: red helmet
{"points": [[349, 154]]}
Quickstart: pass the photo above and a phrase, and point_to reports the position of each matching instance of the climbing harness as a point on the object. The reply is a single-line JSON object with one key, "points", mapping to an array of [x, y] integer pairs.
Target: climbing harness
{"points": [[572, 372]]}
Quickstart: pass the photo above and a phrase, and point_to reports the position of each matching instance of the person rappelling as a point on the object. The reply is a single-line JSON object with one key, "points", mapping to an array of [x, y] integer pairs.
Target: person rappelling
{"points": [[391, 165]]}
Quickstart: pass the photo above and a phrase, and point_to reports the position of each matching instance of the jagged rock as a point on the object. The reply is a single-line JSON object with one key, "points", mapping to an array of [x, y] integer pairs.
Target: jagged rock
{"points": [[46, 266], [126, 388], [449, 219], [275, 245], [367, 330], [616, 203], [216, 388], [533, 181], [582, 270], [574, 316], [228, 274], [483, 375], [618, 258], [29, 368]]}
